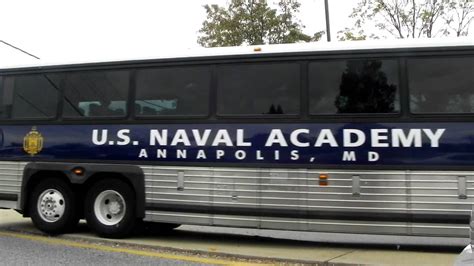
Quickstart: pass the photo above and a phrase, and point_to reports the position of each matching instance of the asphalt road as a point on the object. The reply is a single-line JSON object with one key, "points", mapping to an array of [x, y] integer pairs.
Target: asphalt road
{"points": [[17, 251], [22, 244]]}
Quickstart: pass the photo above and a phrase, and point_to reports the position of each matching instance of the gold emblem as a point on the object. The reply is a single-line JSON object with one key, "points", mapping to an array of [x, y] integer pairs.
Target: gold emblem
{"points": [[33, 142]]}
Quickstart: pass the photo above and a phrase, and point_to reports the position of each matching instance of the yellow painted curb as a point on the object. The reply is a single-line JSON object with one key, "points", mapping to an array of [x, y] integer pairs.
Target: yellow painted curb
{"points": [[63, 242]]}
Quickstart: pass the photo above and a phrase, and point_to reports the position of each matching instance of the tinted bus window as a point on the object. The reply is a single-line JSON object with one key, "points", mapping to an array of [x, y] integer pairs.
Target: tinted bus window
{"points": [[6, 97], [257, 89], [4, 107], [441, 85], [96, 94], [353, 87], [173, 91], [32, 96]]}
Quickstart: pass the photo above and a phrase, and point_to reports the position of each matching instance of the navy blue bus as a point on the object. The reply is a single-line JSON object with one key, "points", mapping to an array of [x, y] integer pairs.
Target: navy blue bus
{"points": [[346, 137]]}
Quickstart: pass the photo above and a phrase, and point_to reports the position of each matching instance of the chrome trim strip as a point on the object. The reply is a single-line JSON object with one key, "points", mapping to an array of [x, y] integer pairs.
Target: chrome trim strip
{"points": [[304, 186], [316, 222], [173, 175], [8, 180], [9, 191], [213, 203], [315, 185], [304, 199], [303, 192], [9, 185], [307, 171]]}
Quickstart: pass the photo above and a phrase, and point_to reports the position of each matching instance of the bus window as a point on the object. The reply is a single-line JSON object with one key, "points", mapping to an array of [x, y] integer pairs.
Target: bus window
{"points": [[30, 96], [441, 85], [96, 94], [173, 91], [6, 97], [353, 87], [258, 89], [116, 107], [5, 102]]}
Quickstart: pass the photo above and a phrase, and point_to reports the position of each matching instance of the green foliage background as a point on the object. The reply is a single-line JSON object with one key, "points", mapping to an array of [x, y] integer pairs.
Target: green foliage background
{"points": [[253, 22]]}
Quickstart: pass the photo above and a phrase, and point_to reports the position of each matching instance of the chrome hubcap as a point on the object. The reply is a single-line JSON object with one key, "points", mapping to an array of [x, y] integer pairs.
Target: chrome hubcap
{"points": [[51, 205], [109, 207]]}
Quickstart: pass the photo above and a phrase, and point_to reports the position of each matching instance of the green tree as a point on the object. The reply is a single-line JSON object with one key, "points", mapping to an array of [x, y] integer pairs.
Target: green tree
{"points": [[460, 17], [253, 22], [350, 34], [411, 18], [365, 89]]}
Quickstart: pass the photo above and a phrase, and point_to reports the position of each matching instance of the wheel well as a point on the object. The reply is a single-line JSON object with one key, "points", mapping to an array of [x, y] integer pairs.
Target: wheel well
{"points": [[34, 180], [101, 175]]}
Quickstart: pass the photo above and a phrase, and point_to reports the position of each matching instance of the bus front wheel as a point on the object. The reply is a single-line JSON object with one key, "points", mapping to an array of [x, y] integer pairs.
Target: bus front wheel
{"points": [[110, 208], [52, 206]]}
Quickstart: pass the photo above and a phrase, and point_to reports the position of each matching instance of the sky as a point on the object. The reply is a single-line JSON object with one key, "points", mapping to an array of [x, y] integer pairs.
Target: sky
{"points": [[59, 30]]}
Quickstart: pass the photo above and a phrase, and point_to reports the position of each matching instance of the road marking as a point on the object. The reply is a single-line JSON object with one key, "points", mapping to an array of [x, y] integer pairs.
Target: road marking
{"points": [[154, 254]]}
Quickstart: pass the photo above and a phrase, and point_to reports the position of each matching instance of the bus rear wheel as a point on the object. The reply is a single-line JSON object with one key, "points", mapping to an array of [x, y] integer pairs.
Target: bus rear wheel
{"points": [[52, 206], [110, 208]]}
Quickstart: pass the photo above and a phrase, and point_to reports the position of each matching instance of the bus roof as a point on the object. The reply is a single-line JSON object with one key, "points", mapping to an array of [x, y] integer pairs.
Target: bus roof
{"points": [[345, 46]]}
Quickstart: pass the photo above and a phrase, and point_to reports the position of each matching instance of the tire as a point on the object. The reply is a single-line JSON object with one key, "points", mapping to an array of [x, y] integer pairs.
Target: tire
{"points": [[52, 207], [110, 208]]}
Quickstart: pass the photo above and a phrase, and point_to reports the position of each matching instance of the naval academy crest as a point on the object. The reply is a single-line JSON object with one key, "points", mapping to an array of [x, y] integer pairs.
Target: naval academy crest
{"points": [[33, 142]]}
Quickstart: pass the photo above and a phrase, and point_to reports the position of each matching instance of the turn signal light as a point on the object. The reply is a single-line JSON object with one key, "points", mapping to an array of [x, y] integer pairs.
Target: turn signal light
{"points": [[78, 171], [323, 180], [257, 49]]}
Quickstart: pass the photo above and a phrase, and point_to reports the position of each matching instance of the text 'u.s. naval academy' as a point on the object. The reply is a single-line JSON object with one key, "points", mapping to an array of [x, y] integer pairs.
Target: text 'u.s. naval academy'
{"points": [[269, 144]]}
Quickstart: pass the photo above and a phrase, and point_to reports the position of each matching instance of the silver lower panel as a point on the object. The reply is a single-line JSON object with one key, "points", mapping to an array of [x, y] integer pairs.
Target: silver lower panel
{"points": [[352, 194], [258, 191], [335, 226], [11, 176]]}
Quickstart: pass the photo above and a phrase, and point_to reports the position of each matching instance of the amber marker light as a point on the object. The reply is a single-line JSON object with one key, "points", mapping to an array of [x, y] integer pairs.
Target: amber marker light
{"points": [[78, 171], [257, 49], [323, 180]]}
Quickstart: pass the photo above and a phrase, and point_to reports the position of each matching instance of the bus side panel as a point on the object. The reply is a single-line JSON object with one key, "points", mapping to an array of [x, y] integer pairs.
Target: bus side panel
{"points": [[11, 175], [375, 202], [206, 191], [448, 194]]}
